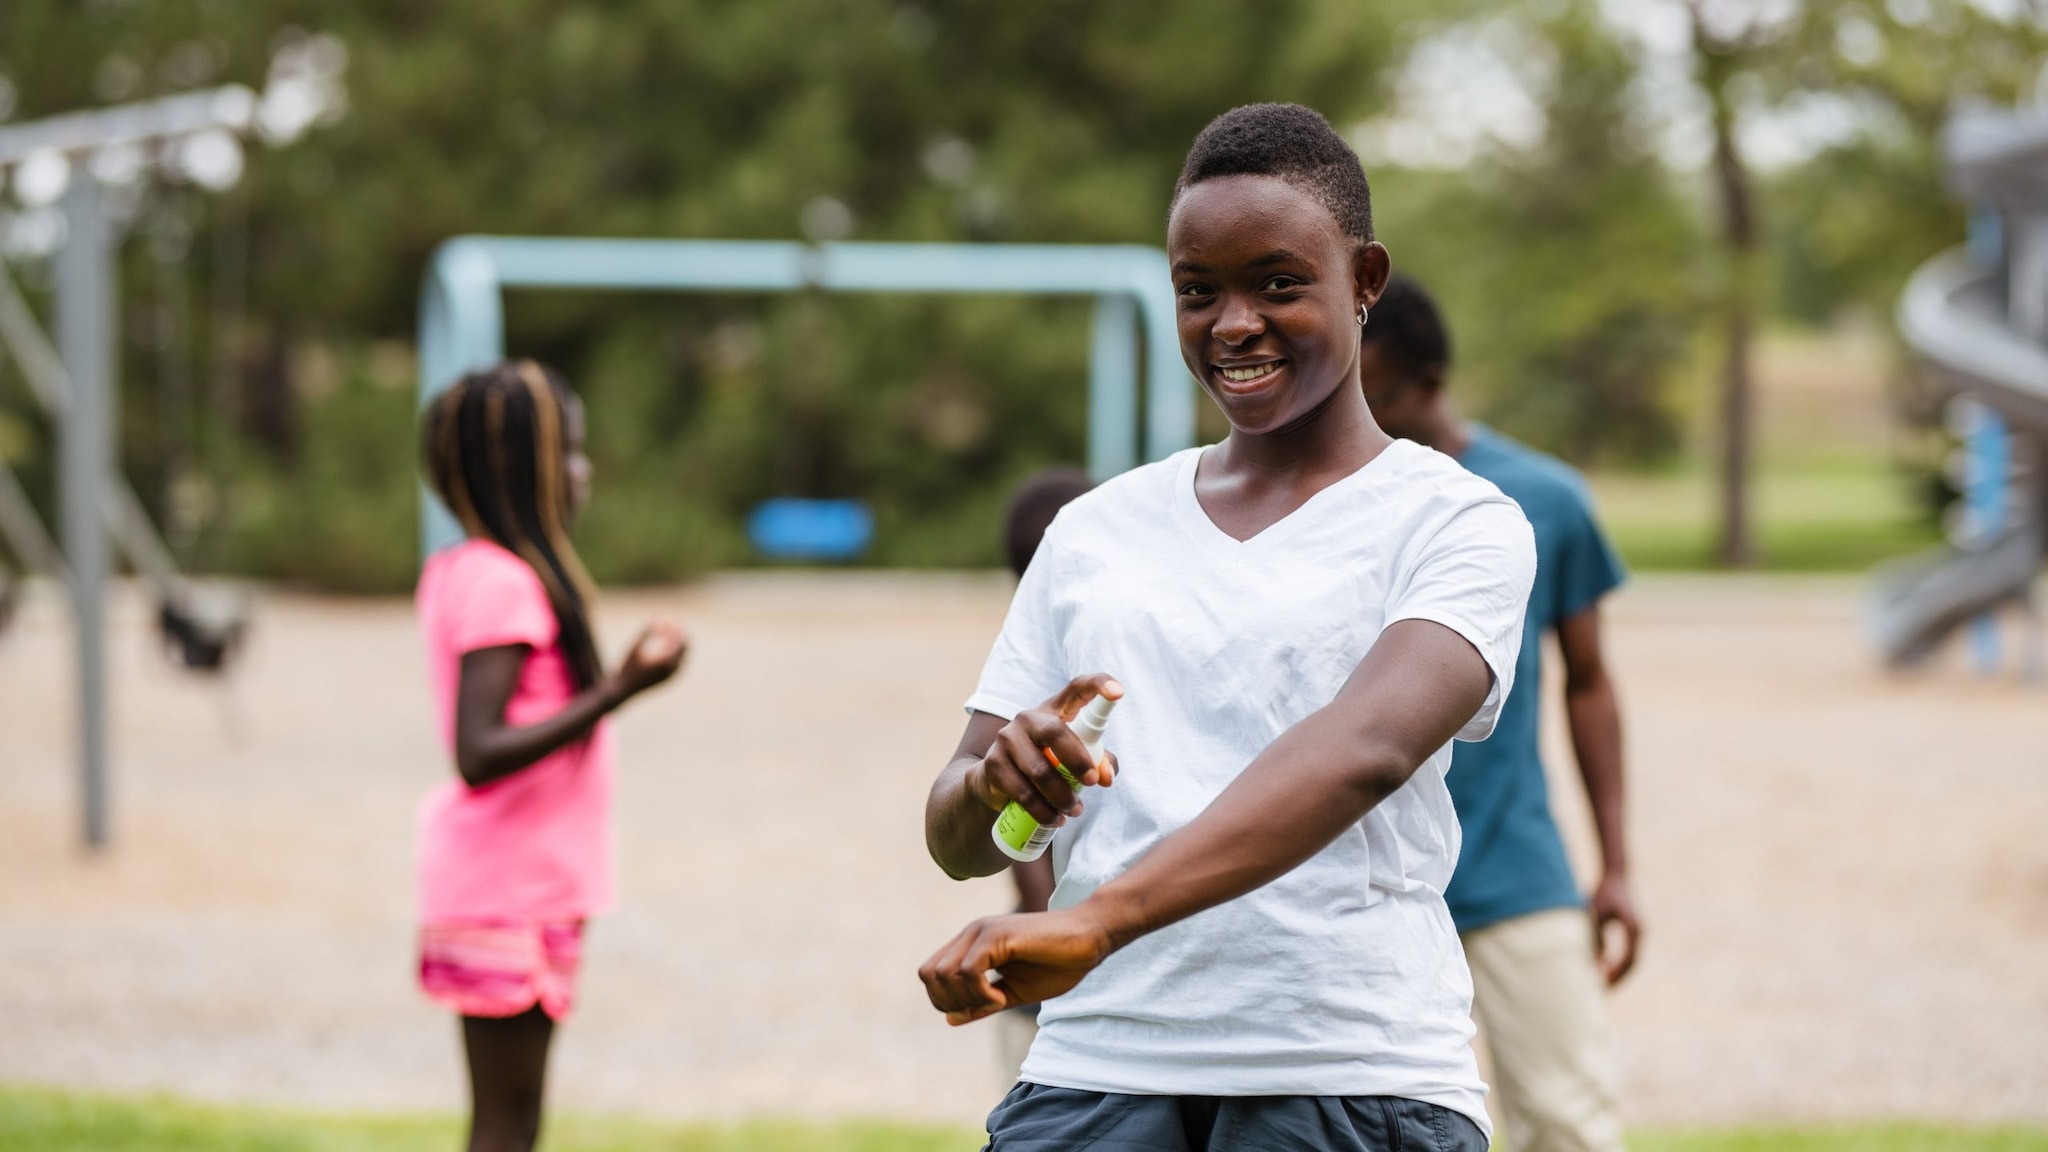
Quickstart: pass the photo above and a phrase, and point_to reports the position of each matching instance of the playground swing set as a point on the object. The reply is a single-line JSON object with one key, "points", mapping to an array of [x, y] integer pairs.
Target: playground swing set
{"points": [[461, 329], [73, 379]]}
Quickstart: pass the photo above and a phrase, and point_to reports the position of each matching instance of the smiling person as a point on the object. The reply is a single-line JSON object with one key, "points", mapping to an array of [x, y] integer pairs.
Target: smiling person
{"points": [[1525, 929], [514, 851], [1247, 945]]}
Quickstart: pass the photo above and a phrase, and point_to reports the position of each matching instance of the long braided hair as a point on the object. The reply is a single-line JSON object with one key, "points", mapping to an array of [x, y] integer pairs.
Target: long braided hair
{"points": [[496, 452]]}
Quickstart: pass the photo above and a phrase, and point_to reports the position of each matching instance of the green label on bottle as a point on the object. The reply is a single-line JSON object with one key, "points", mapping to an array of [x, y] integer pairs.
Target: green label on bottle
{"points": [[1015, 826]]}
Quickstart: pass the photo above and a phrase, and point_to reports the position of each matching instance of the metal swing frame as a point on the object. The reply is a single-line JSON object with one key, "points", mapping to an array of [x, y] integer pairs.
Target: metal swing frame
{"points": [[462, 319]]}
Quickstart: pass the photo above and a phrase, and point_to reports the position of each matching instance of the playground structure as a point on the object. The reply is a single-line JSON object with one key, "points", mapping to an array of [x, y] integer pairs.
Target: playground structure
{"points": [[462, 325], [77, 159], [1977, 318]]}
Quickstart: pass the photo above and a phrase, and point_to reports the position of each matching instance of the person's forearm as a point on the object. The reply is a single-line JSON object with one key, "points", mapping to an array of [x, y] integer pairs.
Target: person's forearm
{"points": [[1035, 883], [499, 750], [1411, 694], [1304, 790], [1420, 683], [1594, 717], [957, 824]]}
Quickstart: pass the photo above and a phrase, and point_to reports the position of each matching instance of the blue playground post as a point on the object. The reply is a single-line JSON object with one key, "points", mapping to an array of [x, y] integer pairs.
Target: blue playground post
{"points": [[1987, 447], [462, 318]]}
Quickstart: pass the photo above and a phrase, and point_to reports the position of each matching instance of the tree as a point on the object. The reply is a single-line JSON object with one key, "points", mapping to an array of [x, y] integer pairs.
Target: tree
{"points": [[1720, 53], [1900, 66], [1589, 261], [1055, 121], [1564, 261]]}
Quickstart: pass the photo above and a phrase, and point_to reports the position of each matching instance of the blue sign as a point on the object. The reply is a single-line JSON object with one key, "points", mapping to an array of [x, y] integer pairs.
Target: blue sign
{"points": [[791, 529]]}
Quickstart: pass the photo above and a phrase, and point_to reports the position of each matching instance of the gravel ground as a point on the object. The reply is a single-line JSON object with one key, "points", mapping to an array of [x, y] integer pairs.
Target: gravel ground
{"points": [[1846, 873]]}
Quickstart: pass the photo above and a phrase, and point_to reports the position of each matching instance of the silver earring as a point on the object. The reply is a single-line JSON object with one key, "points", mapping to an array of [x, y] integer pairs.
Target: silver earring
{"points": [[1361, 315]]}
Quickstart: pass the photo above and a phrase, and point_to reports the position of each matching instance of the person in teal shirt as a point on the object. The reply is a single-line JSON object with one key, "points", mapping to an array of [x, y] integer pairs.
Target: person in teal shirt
{"points": [[1539, 952]]}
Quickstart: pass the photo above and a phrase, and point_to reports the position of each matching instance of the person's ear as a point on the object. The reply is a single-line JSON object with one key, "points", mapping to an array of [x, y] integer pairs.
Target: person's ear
{"points": [[1369, 272]]}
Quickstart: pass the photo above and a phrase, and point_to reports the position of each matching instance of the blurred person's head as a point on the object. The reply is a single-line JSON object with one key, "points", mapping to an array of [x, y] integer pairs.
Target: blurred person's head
{"points": [[1032, 506], [1404, 358], [503, 449], [1270, 239]]}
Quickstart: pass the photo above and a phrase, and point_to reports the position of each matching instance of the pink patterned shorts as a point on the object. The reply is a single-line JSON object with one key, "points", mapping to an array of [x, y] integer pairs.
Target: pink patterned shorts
{"points": [[501, 968]]}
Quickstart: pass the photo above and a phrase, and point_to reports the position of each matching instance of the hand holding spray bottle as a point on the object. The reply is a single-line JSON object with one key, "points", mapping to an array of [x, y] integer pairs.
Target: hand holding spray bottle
{"points": [[1018, 835]]}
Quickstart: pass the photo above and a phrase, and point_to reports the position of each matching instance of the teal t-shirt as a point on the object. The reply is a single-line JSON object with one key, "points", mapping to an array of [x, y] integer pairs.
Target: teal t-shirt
{"points": [[1513, 861]]}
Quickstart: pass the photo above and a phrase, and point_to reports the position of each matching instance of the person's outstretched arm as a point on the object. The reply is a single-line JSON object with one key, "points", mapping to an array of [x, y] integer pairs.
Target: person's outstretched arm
{"points": [[1594, 717], [1420, 683], [488, 749]]}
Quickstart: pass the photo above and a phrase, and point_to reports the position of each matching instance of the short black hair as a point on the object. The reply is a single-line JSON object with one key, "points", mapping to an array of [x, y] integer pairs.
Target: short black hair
{"points": [[1291, 142], [1407, 327], [1032, 506]]}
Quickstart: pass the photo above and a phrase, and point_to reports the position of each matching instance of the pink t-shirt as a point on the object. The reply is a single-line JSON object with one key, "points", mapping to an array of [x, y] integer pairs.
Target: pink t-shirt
{"points": [[535, 845]]}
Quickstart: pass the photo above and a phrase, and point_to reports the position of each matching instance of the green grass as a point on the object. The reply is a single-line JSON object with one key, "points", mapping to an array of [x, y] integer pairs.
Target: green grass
{"points": [[33, 1120], [1833, 515], [37, 1120], [1846, 1138]]}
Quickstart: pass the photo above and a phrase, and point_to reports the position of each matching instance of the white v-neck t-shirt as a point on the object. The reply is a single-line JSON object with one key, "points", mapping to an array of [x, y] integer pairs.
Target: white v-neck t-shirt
{"points": [[1345, 976]]}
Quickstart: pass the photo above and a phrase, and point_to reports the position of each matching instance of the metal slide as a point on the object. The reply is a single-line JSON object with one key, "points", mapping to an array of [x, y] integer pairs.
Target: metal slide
{"points": [[1977, 319]]}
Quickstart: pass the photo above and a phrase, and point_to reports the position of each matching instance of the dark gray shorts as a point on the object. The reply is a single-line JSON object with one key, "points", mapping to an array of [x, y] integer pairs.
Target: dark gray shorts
{"points": [[1037, 1118]]}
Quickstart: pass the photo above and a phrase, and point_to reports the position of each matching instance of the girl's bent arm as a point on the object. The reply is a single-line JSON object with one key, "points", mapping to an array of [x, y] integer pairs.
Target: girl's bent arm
{"points": [[1000, 761], [487, 748], [956, 821], [1415, 689]]}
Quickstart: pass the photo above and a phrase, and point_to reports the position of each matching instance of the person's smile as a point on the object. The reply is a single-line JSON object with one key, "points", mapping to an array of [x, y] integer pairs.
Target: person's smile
{"points": [[1246, 377]]}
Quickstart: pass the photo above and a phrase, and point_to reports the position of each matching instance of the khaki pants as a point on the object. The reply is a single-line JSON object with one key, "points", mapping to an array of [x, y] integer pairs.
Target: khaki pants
{"points": [[1543, 1015]]}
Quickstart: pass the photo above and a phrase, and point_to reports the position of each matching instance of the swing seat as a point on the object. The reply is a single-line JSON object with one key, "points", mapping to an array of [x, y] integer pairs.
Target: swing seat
{"points": [[202, 624]]}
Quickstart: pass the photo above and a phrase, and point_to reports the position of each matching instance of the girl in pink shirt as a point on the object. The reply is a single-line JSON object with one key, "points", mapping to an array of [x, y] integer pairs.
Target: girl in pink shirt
{"points": [[515, 855]]}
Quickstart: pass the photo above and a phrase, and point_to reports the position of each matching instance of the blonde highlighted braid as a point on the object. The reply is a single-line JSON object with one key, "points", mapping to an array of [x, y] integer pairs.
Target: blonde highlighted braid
{"points": [[497, 454]]}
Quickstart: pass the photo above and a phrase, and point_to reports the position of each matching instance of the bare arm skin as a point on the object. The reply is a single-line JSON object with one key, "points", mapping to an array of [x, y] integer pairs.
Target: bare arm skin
{"points": [[488, 749], [999, 761], [1418, 685], [1594, 717], [1034, 883]]}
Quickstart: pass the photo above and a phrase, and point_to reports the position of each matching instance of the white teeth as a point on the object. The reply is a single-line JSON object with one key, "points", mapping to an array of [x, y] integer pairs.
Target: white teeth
{"points": [[1243, 375]]}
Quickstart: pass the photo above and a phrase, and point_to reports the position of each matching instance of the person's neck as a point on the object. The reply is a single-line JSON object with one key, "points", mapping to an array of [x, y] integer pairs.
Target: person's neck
{"points": [[1446, 431], [1337, 437]]}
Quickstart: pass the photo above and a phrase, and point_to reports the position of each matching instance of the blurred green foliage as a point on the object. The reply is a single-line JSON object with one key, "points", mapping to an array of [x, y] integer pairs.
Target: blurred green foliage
{"points": [[1058, 121], [1571, 267], [1566, 268]]}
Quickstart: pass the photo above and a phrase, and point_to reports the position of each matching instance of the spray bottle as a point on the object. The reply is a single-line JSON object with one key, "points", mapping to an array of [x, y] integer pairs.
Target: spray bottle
{"points": [[1018, 835]]}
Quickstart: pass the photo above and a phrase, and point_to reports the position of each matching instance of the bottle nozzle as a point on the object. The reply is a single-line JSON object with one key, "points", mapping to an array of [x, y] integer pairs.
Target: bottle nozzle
{"points": [[1094, 718]]}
